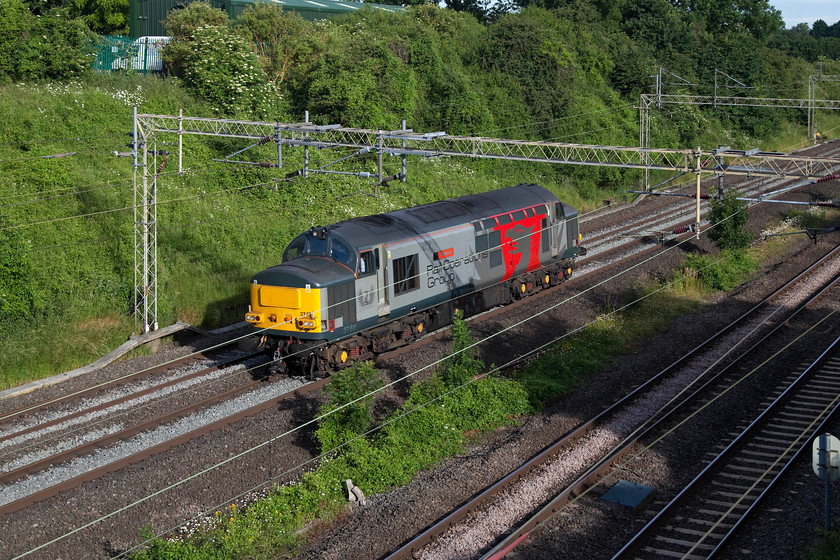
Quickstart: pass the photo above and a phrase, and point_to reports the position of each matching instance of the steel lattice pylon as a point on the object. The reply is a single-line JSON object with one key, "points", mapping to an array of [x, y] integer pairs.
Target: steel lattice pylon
{"points": [[814, 104], [145, 232], [792, 169]]}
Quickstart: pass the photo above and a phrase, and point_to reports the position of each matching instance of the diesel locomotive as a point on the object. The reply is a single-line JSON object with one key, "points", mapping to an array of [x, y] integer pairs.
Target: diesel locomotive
{"points": [[350, 290]]}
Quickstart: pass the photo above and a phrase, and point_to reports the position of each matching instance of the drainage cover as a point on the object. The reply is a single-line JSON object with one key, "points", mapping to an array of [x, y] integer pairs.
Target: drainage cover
{"points": [[629, 494]]}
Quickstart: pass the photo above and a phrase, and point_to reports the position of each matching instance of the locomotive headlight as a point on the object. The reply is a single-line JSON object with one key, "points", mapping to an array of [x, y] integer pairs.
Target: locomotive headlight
{"points": [[252, 318], [305, 322]]}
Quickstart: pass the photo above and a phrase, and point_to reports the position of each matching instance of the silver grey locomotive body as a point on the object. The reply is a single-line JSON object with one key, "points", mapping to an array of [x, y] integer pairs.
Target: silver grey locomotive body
{"points": [[366, 285]]}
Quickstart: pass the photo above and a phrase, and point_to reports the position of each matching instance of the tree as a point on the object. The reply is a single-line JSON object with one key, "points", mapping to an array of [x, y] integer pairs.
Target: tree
{"points": [[800, 29], [729, 219], [106, 17], [52, 46], [282, 39], [223, 70], [181, 25], [819, 29]]}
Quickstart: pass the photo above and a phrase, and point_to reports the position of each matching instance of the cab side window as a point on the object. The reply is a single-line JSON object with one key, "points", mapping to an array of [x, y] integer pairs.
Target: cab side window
{"points": [[367, 263], [295, 249]]}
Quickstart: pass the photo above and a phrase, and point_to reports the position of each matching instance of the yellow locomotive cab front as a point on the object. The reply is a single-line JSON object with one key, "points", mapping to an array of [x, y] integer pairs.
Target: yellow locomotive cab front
{"points": [[285, 309]]}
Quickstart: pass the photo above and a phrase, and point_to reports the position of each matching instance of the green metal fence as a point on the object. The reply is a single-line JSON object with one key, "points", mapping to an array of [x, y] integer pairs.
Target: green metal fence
{"points": [[117, 53]]}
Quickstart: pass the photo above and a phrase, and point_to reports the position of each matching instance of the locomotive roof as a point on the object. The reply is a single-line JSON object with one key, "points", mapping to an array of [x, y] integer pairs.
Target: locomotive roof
{"points": [[418, 220]]}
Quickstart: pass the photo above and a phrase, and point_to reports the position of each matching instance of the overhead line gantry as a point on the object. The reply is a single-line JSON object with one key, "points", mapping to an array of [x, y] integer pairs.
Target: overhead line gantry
{"points": [[405, 142]]}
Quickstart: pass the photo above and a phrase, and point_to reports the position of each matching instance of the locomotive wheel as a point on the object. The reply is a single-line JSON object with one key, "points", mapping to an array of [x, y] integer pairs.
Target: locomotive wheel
{"points": [[518, 289]]}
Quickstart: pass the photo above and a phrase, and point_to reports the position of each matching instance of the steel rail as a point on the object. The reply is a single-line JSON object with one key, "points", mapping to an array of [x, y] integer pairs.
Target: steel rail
{"points": [[155, 370], [592, 475], [85, 448], [128, 397]]}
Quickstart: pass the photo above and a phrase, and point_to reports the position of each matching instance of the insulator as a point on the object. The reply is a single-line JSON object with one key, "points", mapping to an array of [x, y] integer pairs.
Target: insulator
{"points": [[160, 167], [829, 177], [826, 204], [264, 139], [681, 229]]}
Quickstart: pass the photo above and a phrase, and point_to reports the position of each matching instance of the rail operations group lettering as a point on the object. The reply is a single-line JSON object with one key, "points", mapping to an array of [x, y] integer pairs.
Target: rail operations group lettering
{"points": [[443, 273]]}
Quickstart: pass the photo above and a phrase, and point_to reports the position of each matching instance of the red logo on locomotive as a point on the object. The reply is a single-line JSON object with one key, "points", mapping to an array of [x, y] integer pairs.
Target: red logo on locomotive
{"points": [[521, 245]]}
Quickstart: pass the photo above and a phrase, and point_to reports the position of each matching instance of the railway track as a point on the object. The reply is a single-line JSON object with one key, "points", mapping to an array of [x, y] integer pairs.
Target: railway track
{"points": [[630, 230], [458, 531], [42, 416], [60, 448], [699, 521]]}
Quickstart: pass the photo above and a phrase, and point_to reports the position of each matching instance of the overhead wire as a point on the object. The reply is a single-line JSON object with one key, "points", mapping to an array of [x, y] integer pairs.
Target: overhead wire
{"points": [[185, 171], [55, 156], [56, 140], [467, 383], [694, 413], [136, 206]]}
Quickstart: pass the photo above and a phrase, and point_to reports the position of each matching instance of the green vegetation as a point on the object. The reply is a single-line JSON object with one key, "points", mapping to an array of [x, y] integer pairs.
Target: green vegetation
{"points": [[49, 47], [348, 414], [828, 548], [721, 273], [729, 218], [734, 265]]}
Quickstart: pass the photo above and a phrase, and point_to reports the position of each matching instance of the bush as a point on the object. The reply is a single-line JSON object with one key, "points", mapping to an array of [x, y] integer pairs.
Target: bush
{"points": [[283, 40], [463, 363], [352, 389], [733, 268], [48, 47], [222, 69], [728, 217], [181, 25]]}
